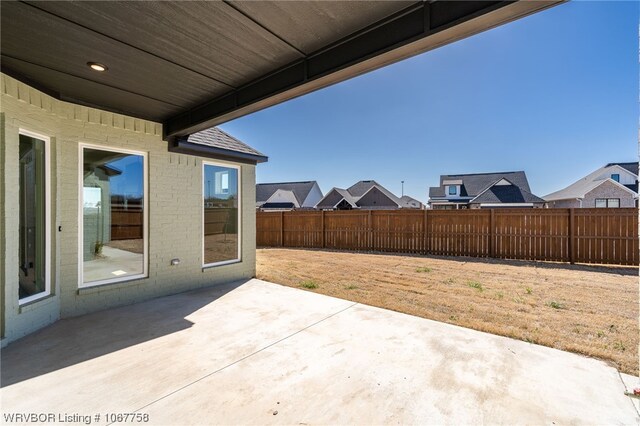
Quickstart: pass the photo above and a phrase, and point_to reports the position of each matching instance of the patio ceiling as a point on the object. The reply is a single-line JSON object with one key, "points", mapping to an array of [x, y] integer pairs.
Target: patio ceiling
{"points": [[192, 65]]}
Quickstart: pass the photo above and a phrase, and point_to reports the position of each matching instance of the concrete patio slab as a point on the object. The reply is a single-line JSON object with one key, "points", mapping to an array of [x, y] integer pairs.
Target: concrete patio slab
{"points": [[257, 352]]}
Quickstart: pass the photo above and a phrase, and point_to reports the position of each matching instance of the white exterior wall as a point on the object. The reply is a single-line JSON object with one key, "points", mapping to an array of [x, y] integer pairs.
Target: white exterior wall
{"points": [[314, 196], [626, 177], [175, 210]]}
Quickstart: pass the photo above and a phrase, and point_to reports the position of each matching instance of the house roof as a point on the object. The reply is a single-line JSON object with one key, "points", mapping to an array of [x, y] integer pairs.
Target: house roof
{"points": [[347, 196], [361, 188], [300, 189], [504, 191], [579, 188], [218, 138], [192, 65], [357, 191], [410, 201], [474, 183], [216, 143], [283, 196]]}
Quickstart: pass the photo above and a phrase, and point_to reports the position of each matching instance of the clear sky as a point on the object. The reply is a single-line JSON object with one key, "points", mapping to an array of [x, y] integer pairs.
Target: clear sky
{"points": [[554, 94]]}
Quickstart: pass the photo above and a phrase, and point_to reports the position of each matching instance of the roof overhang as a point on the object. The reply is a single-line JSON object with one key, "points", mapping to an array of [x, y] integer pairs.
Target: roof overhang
{"points": [[183, 146], [193, 65]]}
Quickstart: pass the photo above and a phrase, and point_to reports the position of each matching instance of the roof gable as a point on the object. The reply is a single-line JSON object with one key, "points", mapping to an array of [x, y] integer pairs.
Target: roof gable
{"points": [[474, 183], [579, 188], [334, 197], [376, 197], [359, 189], [300, 190], [631, 167], [284, 196], [504, 191]]}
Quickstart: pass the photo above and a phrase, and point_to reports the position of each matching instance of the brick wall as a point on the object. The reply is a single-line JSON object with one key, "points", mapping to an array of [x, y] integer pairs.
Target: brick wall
{"points": [[175, 217], [608, 190], [564, 204]]}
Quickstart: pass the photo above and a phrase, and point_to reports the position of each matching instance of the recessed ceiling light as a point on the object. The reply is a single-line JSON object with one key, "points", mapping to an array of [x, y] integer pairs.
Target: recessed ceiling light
{"points": [[97, 67]]}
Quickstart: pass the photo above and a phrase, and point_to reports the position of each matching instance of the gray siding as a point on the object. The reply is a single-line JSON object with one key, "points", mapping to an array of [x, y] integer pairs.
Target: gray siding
{"points": [[376, 199], [331, 200]]}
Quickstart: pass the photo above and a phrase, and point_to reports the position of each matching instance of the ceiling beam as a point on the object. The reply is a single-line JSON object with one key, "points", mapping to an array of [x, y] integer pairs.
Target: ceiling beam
{"points": [[417, 29]]}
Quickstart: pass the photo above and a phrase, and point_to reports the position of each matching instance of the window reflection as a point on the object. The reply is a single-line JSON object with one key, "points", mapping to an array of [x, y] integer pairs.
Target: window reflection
{"points": [[221, 207], [113, 215]]}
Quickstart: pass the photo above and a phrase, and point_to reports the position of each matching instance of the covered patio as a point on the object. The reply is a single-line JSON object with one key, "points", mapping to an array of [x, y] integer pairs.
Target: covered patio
{"points": [[257, 352]]}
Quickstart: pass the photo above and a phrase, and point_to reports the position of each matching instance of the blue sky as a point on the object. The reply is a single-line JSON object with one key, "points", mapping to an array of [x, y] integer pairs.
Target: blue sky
{"points": [[554, 94]]}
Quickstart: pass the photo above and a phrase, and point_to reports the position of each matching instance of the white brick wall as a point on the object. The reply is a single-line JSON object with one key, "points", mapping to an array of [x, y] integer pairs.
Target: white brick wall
{"points": [[175, 203], [608, 190]]}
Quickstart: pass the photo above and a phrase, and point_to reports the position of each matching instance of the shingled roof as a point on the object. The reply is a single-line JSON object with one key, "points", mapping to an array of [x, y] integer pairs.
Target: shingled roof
{"points": [[300, 189], [215, 143], [474, 183], [579, 188], [503, 193], [356, 191]]}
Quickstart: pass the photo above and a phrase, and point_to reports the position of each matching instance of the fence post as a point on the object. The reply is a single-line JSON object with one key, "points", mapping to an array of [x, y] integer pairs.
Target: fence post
{"points": [[281, 229], [322, 229], [572, 236], [426, 231], [492, 234], [369, 232]]}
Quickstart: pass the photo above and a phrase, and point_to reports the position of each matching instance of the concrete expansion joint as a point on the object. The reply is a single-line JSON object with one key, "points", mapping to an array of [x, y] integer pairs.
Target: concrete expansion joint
{"points": [[245, 357], [630, 394]]}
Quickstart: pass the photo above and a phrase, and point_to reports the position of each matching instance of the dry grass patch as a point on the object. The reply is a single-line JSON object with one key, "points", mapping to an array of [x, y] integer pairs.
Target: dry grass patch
{"points": [[588, 310]]}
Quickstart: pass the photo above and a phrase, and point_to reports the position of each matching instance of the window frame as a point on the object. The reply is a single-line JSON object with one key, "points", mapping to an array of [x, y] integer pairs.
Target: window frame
{"points": [[617, 178], [145, 216], [455, 190], [238, 168], [600, 199], [611, 199], [47, 217]]}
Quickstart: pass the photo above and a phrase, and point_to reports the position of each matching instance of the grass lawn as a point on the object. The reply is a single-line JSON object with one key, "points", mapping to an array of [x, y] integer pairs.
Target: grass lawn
{"points": [[584, 309]]}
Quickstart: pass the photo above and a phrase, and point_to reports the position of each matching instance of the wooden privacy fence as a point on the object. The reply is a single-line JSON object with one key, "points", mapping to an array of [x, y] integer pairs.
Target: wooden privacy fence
{"points": [[600, 236], [220, 220], [126, 223]]}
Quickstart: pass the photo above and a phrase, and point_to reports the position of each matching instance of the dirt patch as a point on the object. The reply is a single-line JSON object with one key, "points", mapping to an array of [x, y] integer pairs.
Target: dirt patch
{"points": [[220, 248], [133, 245], [584, 309]]}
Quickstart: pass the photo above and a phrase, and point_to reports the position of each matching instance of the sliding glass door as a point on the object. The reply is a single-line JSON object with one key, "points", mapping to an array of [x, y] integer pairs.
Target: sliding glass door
{"points": [[33, 241]]}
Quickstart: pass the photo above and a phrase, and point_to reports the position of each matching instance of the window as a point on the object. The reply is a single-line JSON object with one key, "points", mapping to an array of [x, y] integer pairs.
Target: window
{"points": [[608, 202], [34, 217], [616, 177], [453, 190], [221, 214], [113, 215]]}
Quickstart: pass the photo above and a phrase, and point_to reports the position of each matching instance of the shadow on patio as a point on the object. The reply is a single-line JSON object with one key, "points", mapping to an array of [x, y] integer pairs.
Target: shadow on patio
{"points": [[74, 340]]}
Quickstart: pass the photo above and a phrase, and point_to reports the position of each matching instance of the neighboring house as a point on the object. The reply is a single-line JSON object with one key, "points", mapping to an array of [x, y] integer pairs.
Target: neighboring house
{"points": [[412, 202], [366, 194], [483, 190], [287, 195], [613, 185], [96, 212]]}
